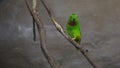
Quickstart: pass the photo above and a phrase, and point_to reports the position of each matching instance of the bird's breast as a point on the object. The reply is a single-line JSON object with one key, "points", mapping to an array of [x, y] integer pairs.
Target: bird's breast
{"points": [[72, 23]]}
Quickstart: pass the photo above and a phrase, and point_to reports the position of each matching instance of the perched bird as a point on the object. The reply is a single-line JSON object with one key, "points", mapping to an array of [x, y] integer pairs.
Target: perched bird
{"points": [[73, 28]]}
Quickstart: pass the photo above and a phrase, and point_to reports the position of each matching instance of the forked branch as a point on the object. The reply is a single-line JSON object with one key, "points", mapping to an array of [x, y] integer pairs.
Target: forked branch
{"points": [[41, 30]]}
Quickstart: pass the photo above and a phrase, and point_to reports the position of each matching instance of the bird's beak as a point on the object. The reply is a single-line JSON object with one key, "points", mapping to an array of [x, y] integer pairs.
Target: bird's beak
{"points": [[73, 20]]}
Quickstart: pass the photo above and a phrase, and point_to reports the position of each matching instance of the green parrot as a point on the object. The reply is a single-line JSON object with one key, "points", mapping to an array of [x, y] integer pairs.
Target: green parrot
{"points": [[73, 28]]}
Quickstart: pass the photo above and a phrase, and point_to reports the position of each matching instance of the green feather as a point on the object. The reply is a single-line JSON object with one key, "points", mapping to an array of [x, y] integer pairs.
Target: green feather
{"points": [[73, 28]]}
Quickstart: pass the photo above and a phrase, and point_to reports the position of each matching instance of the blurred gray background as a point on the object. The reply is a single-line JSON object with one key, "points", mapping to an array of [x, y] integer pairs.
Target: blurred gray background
{"points": [[100, 26]]}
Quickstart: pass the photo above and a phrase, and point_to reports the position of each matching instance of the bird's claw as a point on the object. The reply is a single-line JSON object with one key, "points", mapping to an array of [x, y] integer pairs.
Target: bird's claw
{"points": [[73, 39]]}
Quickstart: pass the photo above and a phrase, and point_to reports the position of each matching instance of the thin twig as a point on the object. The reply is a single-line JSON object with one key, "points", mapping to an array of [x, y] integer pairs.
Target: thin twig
{"points": [[34, 10], [63, 32], [42, 35], [34, 31]]}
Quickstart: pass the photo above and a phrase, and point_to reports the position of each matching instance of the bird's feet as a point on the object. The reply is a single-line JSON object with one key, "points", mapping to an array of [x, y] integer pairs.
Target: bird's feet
{"points": [[73, 39]]}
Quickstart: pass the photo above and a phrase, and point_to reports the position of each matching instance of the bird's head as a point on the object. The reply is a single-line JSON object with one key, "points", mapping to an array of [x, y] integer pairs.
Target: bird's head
{"points": [[73, 19]]}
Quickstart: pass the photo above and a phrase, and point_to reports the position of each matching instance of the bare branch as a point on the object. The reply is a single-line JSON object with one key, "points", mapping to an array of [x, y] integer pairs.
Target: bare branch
{"points": [[41, 31], [34, 8], [63, 32], [34, 5]]}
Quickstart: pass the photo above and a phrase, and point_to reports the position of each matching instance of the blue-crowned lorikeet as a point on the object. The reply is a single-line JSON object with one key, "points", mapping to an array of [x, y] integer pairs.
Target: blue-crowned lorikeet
{"points": [[73, 28]]}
